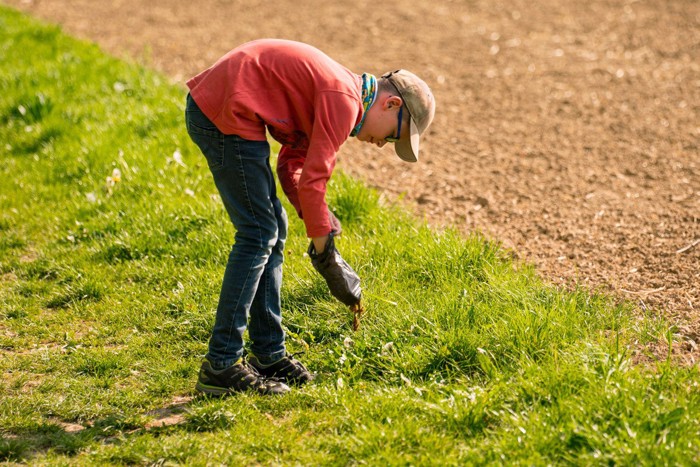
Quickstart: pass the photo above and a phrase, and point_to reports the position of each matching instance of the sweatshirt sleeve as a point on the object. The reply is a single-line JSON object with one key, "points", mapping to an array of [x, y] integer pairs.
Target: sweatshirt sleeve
{"points": [[335, 116], [290, 163]]}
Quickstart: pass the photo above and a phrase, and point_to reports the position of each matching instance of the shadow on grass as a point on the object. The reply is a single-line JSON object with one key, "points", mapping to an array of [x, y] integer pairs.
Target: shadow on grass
{"points": [[69, 438]]}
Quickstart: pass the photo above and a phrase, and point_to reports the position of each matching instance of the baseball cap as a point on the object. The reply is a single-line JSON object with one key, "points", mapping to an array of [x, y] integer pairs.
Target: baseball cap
{"points": [[420, 104]]}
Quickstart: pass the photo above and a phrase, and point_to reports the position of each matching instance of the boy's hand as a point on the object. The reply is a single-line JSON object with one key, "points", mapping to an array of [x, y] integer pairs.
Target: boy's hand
{"points": [[342, 280], [335, 224]]}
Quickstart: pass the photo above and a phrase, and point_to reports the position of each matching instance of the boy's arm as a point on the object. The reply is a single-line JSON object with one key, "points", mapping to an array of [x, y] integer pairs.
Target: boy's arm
{"points": [[335, 114], [304, 174], [290, 163], [290, 166]]}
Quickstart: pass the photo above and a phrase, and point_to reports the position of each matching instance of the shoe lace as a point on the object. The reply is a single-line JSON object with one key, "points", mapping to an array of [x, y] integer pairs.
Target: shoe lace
{"points": [[259, 379], [252, 370], [299, 367]]}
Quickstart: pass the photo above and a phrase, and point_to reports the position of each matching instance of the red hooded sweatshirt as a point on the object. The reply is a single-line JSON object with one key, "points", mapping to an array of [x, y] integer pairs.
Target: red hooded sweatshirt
{"points": [[308, 102]]}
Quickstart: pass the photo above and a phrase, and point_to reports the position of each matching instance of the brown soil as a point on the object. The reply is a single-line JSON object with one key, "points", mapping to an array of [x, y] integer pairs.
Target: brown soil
{"points": [[569, 131]]}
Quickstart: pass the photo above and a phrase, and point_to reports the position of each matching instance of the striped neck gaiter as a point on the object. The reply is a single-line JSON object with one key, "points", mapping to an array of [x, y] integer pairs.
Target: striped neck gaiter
{"points": [[369, 94]]}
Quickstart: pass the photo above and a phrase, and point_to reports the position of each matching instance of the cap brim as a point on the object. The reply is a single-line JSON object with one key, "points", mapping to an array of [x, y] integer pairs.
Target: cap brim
{"points": [[407, 148]]}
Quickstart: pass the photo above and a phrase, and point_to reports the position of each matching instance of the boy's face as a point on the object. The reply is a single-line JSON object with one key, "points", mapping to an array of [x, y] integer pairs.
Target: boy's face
{"points": [[382, 120]]}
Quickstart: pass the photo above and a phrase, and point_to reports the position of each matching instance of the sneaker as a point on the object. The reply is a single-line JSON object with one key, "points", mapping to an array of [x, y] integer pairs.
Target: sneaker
{"points": [[287, 369], [236, 378]]}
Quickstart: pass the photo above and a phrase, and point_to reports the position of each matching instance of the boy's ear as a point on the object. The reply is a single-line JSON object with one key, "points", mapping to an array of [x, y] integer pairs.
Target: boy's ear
{"points": [[392, 101]]}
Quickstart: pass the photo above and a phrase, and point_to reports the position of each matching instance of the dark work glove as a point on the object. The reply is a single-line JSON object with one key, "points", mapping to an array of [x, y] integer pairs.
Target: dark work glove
{"points": [[342, 281]]}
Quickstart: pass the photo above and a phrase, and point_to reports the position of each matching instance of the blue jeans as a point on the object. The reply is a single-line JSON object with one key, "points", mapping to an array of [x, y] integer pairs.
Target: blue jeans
{"points": [[250, 293]]}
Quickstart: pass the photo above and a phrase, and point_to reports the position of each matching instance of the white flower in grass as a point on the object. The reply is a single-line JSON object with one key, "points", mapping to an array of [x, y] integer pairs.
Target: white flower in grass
{"points": [[91, 197], [387, 349], [189, 192], [116, 175], [112, 180], [177, 158]]}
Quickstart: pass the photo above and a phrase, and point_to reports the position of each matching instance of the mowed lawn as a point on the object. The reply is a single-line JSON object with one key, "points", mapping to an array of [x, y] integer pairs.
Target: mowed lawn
{"points": [[112, 247]]}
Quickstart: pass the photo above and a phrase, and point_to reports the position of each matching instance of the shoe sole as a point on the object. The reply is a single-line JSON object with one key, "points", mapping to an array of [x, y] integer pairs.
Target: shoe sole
{"points": [[213, 390], [292, 382], [219, 391], [295, 382]]}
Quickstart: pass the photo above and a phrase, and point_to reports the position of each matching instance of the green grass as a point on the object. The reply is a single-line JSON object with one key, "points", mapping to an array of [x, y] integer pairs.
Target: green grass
{"points": [[108, 290]]}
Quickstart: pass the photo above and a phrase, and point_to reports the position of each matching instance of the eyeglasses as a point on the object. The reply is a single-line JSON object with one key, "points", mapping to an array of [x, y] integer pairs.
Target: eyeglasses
{"points": [[391, 139]]}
